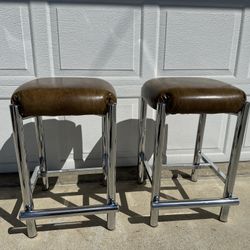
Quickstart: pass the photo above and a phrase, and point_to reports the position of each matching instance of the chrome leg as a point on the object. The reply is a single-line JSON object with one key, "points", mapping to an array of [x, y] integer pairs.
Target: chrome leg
{"points": [[104, 147], [157, 163], [111, 163], [142, 137], [164, 153], [41, 151], [234, 158], [24, 175], [198, 146]]}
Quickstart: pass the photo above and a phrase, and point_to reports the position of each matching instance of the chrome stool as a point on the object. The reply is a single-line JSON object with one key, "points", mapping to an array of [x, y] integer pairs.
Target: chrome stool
{"points": [[190, 96], [59, 97]]}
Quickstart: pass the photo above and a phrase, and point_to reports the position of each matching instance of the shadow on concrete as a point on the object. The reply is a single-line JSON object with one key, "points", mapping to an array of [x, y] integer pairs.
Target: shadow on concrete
{"points": [[60, 147], [97, 194]]}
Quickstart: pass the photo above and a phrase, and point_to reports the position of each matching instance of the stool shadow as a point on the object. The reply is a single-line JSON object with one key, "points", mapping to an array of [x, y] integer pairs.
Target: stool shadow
{"points": [[127, 144], [54, 129], [71, 140], [96, 193], [127, 138], [64, 137], [200, 213], [19, 227]]}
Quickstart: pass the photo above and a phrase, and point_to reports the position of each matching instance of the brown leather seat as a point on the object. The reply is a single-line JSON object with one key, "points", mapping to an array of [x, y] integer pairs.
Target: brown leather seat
{"points": [[193, 95], [64, 96]]}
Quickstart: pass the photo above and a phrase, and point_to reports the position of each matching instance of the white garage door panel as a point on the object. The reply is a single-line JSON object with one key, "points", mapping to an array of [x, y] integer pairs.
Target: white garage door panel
{"points": [[111, 34], [207, 36], [15, 41], [126, 44]]}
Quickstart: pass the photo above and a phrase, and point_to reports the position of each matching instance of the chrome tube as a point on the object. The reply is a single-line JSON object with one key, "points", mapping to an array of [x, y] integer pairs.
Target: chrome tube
{"points": [[24, 175], [111, 163], [198, 146], [142, 138], [195, 203], [215, 168], [184, 166], [172, 167], [234, 158], [41, 151], [67, 212], [148, 170], [104, 146], [75, 171], [34, 178], [157, 163]]}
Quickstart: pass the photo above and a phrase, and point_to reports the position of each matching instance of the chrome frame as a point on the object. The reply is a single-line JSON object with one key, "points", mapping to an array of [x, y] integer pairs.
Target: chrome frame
{"points": [[24, 175], [198, 146], [157, 163], [28, 184], [142, 138], [234, 158], [154, 172], [41, 151], [111, 163], [104, 147]]}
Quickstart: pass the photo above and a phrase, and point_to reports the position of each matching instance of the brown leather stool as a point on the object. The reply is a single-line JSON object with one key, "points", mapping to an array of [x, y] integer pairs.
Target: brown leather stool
{"points": [[191, 96], [59, 97]]}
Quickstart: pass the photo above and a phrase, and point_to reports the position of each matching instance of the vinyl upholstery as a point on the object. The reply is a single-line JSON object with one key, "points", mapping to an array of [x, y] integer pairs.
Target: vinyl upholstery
{"points": [[189, 95], [64, 96]]}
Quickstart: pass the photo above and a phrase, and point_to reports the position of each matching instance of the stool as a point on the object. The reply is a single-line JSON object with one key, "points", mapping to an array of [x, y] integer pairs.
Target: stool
{"points": [[59, 97], [190, 96]]}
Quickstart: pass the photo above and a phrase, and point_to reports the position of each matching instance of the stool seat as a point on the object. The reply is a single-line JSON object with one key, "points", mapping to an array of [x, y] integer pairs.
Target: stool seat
{"points": [[64, 96], [193, 95]]}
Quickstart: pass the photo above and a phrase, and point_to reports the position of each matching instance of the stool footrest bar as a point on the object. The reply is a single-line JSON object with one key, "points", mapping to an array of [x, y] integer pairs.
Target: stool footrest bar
{"points": [[170, 167], [215, 168], [67, 212], [77, 171], [34, 178], [196, 203], [185, 166], [148, 170]]}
